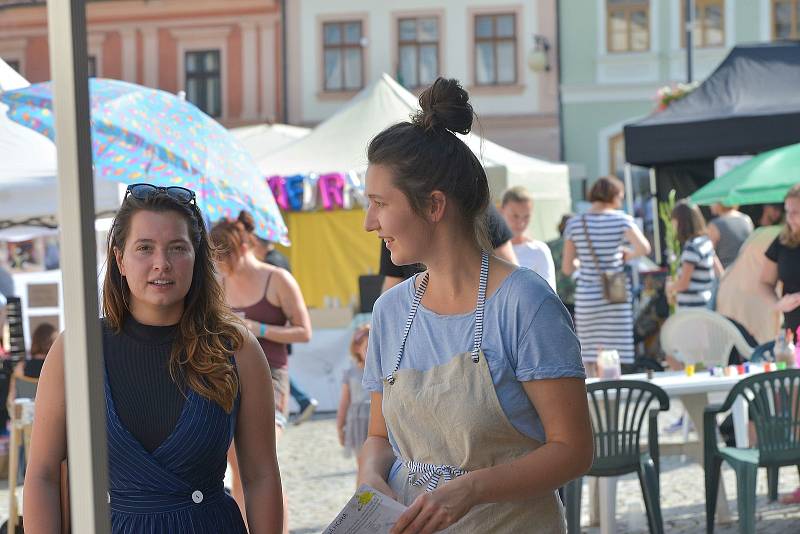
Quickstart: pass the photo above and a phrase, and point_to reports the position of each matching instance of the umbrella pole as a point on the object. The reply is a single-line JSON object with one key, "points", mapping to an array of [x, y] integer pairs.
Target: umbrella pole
{"points": [[83, 350]]}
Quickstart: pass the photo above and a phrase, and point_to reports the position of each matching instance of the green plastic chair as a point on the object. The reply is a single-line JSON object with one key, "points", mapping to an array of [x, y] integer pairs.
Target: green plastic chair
{"points": [[774, 406], [618, 409]]}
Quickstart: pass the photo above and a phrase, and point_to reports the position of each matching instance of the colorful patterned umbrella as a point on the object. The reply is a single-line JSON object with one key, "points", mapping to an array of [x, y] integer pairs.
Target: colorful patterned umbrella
{"points": [[146, 135]]}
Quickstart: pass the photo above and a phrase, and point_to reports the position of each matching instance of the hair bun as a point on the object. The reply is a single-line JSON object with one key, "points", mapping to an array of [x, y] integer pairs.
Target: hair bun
{"points": [[247, 221], [445, 104]]}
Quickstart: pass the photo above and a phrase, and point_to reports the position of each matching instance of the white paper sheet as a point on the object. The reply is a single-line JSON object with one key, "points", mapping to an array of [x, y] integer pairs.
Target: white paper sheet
{"points": [[367, 512]]}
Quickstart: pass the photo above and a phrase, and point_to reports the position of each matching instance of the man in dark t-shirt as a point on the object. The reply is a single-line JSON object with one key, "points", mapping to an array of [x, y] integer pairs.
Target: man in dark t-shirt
{"points": [[499, 234]]}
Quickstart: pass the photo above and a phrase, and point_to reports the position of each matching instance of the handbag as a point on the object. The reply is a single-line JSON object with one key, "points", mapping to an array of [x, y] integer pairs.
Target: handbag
{"points": [[615, 283]]}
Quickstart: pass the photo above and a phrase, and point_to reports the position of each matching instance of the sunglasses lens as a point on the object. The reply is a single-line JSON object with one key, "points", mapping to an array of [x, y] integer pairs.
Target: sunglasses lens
{"points": [[180, 194], [142, 191]]}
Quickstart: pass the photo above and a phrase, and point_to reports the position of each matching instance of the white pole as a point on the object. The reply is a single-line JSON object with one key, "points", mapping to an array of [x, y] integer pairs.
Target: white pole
{"points": [[83, 375], [629, 208], [628, 189], [656, 218]]}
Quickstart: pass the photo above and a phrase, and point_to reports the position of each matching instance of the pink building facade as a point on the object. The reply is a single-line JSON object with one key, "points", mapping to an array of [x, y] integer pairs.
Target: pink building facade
{"points": [[224, 55]]}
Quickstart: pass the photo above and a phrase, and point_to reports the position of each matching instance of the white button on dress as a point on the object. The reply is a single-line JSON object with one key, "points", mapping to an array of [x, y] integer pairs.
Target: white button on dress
{"points": [[197, 496]]}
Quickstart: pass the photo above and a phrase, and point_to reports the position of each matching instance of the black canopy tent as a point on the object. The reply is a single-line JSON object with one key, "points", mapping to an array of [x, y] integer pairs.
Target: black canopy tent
{"points": [[749, 104]]}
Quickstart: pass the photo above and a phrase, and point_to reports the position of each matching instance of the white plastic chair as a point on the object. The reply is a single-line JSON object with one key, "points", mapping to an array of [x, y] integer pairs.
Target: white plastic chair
{"points": [[699, 335]]}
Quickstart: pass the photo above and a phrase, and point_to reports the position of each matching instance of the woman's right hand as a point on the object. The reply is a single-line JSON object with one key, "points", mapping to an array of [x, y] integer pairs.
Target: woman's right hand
{"points": [[340, 431], [788, 302], [377, 482]]}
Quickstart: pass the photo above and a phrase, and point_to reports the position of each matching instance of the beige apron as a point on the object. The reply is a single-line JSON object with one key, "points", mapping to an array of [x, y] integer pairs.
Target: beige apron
{"points": [[447, 421]]}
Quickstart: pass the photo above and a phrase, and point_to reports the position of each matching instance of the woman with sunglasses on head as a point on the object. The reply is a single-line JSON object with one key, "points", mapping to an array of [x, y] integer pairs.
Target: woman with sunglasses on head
{"points": [[182, 378], [269, 300], [478, 409]]}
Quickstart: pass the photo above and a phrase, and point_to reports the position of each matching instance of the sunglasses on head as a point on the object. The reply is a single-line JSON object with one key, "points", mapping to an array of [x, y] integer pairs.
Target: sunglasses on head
{"points": [[148, 191]]}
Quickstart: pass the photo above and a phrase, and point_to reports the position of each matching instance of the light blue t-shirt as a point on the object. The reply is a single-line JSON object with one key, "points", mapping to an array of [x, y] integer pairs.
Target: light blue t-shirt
{"points": [[527, 335]]}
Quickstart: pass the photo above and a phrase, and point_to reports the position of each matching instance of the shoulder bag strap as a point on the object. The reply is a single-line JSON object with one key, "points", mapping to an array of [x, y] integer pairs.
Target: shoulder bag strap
{"points": [[589, 241]]}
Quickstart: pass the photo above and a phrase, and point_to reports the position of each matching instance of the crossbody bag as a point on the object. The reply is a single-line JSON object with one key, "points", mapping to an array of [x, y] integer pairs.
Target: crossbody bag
{"points": [[615, 283]]}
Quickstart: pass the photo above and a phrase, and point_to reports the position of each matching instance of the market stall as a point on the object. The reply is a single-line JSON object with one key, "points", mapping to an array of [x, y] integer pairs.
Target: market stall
{"points": [[317, 181], [749, 104]]}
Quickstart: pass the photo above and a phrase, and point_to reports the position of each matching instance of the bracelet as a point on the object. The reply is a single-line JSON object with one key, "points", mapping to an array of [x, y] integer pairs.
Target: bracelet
{"points": [[262, 330]]}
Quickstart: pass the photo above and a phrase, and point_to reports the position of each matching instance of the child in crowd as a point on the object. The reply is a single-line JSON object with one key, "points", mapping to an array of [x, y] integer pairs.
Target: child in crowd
{"points": [[699, 264], [352, 418]]}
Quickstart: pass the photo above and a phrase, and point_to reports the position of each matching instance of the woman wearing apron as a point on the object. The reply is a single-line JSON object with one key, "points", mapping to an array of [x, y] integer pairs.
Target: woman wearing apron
{"points": [[478, 400]]}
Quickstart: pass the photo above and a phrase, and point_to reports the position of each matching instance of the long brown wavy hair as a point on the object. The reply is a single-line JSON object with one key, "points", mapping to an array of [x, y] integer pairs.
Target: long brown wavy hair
{"points": [[788, 237], [207, 334]]}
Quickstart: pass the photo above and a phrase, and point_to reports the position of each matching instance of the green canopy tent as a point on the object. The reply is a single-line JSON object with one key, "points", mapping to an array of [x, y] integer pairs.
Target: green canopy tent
{"points": [[765, 179]]}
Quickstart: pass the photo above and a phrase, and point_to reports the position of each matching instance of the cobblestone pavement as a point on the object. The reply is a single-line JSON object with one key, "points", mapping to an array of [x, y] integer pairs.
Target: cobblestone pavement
{"points": [[319, 480]]}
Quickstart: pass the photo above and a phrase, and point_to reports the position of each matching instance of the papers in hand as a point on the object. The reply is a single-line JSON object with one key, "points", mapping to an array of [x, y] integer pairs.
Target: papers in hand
{"points": [[368, 511]]}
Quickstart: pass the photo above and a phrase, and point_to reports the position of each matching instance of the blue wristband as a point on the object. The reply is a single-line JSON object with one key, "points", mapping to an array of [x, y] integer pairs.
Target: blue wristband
{"points": [[262, 330]]}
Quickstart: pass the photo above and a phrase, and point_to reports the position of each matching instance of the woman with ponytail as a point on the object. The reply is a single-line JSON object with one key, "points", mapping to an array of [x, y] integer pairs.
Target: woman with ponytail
{"points": [[269, 301], [182, 378]]}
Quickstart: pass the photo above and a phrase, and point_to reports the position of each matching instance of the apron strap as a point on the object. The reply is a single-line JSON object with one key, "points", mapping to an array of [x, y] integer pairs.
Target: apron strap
{"points": [[418, 294], [484, 280], [413, 312]]}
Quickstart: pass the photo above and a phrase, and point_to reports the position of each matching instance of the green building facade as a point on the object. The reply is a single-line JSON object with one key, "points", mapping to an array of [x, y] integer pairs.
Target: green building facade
{"points": [[616, 54]]}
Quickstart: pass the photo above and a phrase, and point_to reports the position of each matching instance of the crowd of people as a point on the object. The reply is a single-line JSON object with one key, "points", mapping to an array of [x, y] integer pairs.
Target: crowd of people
{"points": [[465, 399]]}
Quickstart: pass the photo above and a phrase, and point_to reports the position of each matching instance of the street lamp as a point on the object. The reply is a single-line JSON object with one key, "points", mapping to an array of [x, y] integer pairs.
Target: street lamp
{"points": [[539, 55]]}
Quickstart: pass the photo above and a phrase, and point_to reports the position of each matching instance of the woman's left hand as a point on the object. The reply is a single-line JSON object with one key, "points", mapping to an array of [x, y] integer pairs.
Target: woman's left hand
{"points": [[627, 254], [437, 510]]}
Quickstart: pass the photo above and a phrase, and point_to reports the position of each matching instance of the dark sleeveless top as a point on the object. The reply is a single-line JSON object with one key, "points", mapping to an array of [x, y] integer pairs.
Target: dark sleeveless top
{"points": [[147, 400], [264, 312], [33, 368], [176, 487]]}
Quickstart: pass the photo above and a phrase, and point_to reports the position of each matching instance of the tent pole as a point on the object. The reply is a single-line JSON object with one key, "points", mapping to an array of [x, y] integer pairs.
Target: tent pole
{"points": [[688, 15], [656, 218], [629, 209], [83, 356], [628, 189]]}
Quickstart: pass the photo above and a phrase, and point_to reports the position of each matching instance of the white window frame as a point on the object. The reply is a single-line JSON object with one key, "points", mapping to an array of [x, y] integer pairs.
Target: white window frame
{"points": [[602, 34], [627, 67], [342, 21], [768, 27], [677, 30], [203, 39]]}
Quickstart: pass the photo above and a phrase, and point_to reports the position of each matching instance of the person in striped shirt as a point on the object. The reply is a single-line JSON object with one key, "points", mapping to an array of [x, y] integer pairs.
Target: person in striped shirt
{"points": [[700, 266]]}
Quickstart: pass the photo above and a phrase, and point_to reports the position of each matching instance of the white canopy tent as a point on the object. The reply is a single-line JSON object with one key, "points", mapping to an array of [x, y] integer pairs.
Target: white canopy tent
{"points": [[28, 192], [339, 144], [10, 79], [262, 139]]}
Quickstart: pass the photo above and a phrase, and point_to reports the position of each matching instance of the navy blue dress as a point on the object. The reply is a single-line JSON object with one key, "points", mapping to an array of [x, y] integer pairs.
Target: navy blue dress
{"points": [[176, 489]]}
